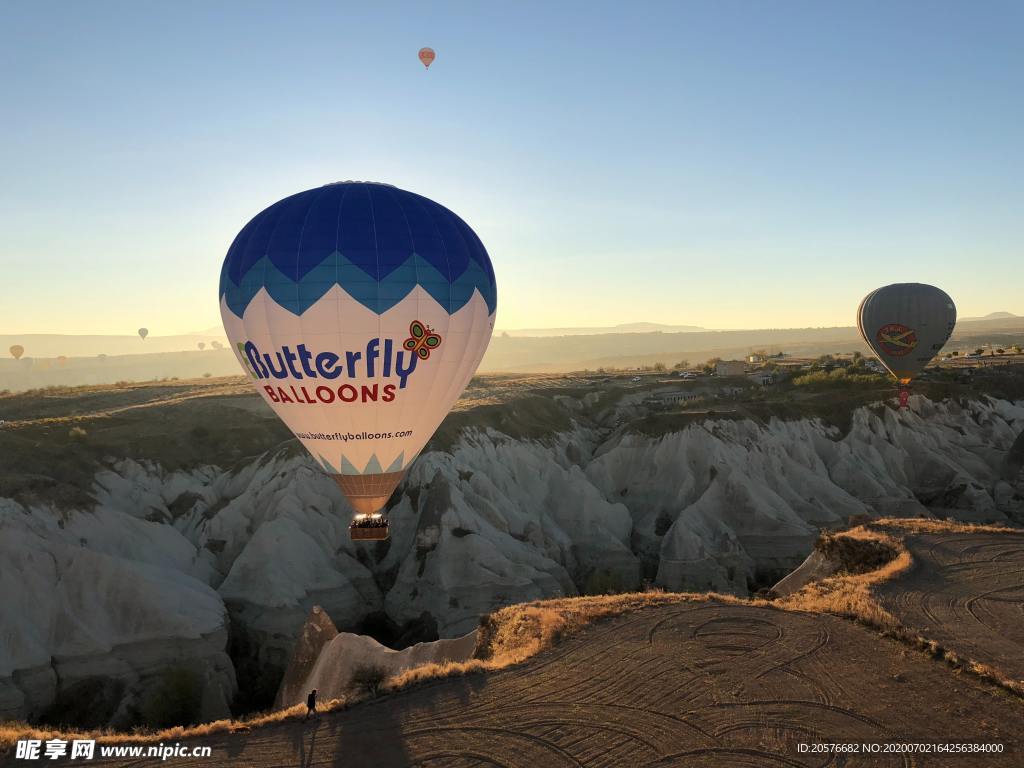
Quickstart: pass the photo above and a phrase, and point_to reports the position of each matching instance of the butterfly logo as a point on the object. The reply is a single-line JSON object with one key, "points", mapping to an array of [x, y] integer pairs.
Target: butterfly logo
{"points": [[422, 340]]}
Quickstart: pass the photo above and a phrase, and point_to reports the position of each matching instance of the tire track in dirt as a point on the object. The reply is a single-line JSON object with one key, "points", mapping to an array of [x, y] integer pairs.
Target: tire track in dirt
{"points": [[965, 592], [725, 685]]}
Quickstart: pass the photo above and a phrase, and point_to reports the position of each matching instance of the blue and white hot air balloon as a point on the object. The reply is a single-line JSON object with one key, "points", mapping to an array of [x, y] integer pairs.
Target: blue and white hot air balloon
{"points": [[361, 311]]}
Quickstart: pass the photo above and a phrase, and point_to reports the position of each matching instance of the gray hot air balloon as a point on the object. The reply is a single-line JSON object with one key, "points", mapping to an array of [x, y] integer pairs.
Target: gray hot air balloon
{"points": [[143, 333], [906, 324]]}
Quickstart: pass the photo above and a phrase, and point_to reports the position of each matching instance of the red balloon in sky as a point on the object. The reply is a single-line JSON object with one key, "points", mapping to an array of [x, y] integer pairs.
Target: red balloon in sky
{"points": [[427, 56]]}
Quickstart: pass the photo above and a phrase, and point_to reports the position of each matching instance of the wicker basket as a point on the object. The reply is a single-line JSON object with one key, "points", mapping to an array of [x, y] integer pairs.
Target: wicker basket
{"points": [[376, 533]]}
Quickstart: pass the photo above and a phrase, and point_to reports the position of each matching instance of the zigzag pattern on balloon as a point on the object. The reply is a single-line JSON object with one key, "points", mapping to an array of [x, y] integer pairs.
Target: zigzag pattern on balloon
{"points": [[373, 466], [376, 295]]}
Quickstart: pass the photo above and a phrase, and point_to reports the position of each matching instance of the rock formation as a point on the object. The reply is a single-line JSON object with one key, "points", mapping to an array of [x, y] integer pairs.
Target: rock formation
{"points": [[192, 564]]}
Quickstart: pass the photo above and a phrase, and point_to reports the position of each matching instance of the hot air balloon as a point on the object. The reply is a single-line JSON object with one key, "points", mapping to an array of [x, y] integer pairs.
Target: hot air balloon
{"points": [[216, 345], [360, 311], [201, 345], [101, 357], [427, 56], [143, 333], [906, 325], [17, 351]]}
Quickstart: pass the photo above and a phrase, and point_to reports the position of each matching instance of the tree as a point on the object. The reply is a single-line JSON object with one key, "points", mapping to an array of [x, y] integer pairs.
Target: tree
{"points": [[660, 367], [825, 362], [682, 365]]}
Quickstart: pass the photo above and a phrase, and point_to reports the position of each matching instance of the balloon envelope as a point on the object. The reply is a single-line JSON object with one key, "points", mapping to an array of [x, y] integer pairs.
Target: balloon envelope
{"points": [[906, 325], [17, 351], [360, 311], [427, 56], [216, 344], [143, 332], [201, 345]]}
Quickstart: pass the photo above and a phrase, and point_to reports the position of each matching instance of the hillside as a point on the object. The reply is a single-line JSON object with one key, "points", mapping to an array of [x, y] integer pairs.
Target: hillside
{"points": [[109, 359], [534, 487], [687, 680]]}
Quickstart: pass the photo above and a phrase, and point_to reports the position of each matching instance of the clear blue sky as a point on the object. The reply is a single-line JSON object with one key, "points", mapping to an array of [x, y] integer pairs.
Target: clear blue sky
{"points": [[727, 164]]}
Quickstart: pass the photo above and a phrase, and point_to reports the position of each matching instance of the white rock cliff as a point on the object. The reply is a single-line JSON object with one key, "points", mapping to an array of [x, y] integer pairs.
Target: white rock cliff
{"points": [[168, 566]]}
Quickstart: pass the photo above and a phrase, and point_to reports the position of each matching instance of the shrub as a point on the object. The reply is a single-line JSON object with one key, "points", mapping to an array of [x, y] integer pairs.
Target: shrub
{"points": [[77, 433], [837, 378], [369, 679]]}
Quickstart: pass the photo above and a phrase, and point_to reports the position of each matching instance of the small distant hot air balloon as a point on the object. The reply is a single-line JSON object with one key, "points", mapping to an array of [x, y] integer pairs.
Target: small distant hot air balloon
{"points": [[17, 351], [143, 333], [101, 357], [427, 56], [201, 345], [62, 361], [906, 325], [360, 311]]}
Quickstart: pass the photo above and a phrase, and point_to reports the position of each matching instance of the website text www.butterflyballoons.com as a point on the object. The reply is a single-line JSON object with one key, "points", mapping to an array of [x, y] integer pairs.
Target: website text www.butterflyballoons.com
{"points": [[349, 436], [87, 749]]}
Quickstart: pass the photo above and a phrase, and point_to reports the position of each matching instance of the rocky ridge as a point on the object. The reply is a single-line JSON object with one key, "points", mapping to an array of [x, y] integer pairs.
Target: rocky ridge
{"points": [[222, 567]]}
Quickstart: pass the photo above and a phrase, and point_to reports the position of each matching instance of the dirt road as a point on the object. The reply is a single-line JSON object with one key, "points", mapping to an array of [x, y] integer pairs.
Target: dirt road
{"points": [[693, 684]]}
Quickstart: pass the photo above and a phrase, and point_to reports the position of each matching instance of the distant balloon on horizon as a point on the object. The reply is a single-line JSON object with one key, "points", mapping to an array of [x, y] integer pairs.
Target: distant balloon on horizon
{"points": [[201, 345], [906, 325], [143, 333], [216, 345], [427, 56], [17, 351]]}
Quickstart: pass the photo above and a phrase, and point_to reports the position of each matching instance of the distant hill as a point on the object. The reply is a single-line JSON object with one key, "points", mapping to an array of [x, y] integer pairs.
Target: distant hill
{"points": [[990, 316], [43, 345], [548, 350], [600, 330]]}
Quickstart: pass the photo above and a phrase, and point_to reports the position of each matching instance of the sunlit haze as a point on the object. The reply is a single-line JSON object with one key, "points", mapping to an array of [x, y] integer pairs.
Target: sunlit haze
{"points": [[722, 164]]}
